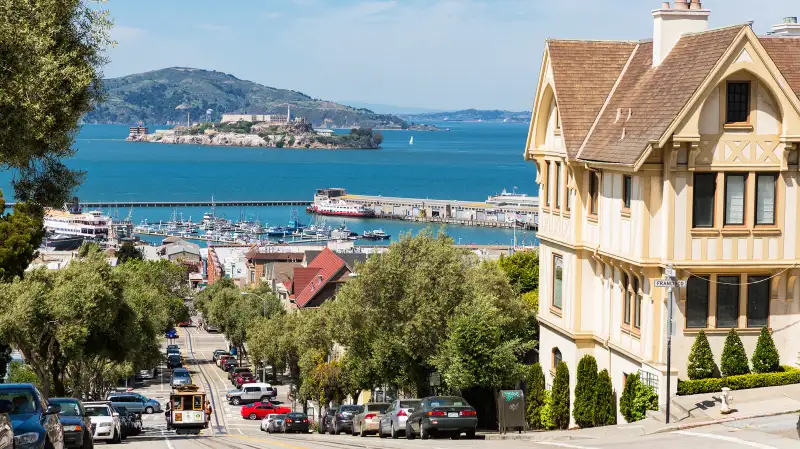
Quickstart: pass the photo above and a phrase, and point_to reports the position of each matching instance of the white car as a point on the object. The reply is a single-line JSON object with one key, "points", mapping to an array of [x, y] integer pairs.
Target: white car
{"points": [[267, 420], [105, 422]]}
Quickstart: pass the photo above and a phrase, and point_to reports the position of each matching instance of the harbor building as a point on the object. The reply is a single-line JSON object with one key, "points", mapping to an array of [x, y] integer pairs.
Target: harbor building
{"points": [[677, 150]]}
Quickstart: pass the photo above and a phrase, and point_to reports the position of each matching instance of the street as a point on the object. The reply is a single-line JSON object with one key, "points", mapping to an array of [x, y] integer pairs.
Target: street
{"points": [[230, 431]]}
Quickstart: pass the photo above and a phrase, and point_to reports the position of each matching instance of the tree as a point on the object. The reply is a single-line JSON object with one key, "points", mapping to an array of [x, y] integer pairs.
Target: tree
{"points": [[522, 269], [128, 252], [21, 232], [765, 357], [536, 396], [626, 402], [734, 358], [583, 410], [701, 360], [605, 413], [561, 396]]}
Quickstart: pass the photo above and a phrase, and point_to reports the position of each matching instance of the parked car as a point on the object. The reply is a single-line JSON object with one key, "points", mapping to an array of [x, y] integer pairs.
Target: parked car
{"points": [[77, 426], [34, 421], [212, 328], [221, 359], [229, 364], [180, 377], [125, 423], [267, 420], [174, 361], [171, 334], [258, 410], [393, 422], [438, 415], [295, 422], [368, 420], [105, 421], [6, 429], [236, 371], [276, 425], [135, 402], [219, 353], [260, 392], [342, 421], [136, 424], [185, 323], [244, 379], [146, 374]]}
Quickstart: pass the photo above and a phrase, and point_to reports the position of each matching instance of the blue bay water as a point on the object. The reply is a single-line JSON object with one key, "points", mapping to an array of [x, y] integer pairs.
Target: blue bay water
{"points": [[471, 162]]}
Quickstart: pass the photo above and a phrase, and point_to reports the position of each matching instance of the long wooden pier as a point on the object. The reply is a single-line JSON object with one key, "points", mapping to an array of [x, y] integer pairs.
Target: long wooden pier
{"points": [[106, 204]]}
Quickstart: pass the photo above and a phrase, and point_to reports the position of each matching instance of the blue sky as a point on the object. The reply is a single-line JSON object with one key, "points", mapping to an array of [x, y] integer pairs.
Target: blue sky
{"points": [[440, 54]]}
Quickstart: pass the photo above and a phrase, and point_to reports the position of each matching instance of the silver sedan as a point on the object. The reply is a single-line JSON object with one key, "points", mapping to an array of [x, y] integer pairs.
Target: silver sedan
{"points": [[393, 422]]}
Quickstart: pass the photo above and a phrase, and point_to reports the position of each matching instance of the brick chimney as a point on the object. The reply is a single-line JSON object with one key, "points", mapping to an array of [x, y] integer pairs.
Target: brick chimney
{"points": [[789, 27], [671, 22]]}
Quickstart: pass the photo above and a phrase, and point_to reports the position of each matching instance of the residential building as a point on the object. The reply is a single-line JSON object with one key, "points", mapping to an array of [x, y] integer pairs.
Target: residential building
{"points": [[320, 277], [681, 149], [227, 261], [261, 263]]}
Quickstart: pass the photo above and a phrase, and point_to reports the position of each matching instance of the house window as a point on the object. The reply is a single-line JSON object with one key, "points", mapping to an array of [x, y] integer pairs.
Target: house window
{"points": [[627, 294], [558, 120], [593, 192], [556, 357], [547, 184], [734, 198], [738, 106], [558, 281], [558, 185], [728, 301], [757, 301], [765, 198], [697, 302], [705, 186], [626, 191], [637, 306]]}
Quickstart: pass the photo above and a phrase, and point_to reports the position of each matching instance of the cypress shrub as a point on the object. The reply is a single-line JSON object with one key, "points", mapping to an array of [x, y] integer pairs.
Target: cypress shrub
{"points": [[626, 402], [546, 412], [536, 393], [636, 399], [605, 413], [561, 397], [701, 360], [765, 357], [583, 410], [734, 358]]}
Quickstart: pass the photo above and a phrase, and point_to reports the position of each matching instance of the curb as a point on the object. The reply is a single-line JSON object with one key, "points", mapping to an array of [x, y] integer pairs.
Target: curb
{"points": [[693, 425]]}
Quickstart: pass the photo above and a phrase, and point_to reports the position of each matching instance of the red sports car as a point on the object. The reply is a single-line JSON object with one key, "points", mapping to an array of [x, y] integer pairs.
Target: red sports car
{"points": [[244, 378], [259, 410]]}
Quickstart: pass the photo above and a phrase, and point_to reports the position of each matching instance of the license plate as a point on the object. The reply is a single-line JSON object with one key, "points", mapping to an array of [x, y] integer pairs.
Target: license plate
{"points": [[452, 415]]}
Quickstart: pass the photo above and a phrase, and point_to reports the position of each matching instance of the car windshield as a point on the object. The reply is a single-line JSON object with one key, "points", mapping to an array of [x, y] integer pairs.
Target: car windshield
{"points": [[452, 401], [181, 375], [297, 415], [23, 401], [409, 404], [380, 408], [98, 411], [68, 408], [174, 357], [280, 416], [350, 408]]}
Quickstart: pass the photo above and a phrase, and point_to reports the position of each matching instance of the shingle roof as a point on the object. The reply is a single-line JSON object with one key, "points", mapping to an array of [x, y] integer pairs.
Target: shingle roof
{"points": [[329, 265], [584, 73], [785, 53], [301, 277], [655, 95]]}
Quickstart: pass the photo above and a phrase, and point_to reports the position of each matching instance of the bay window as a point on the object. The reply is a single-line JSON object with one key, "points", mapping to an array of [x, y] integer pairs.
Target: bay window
{"points": [[735, 185], [765, 198]]}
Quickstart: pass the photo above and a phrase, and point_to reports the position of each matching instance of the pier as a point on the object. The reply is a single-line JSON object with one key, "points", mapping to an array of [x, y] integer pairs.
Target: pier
{"points": [[107, 204]]}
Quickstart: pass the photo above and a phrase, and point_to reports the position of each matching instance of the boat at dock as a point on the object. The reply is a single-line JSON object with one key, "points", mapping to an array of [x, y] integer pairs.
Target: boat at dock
{"points": [[377, 234], [341, 208], [73, 221]]}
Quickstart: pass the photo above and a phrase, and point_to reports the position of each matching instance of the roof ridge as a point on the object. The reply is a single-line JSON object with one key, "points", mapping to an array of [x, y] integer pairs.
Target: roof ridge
{"points": [[605, 41], [715, 30]]}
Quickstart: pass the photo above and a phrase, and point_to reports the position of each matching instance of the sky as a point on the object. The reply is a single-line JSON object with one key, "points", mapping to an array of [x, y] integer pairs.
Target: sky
{"points": [[437, 54]]}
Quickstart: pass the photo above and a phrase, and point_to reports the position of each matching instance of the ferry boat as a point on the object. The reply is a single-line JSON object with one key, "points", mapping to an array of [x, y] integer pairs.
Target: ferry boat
{"points": [[73, 222], [341, 208]]}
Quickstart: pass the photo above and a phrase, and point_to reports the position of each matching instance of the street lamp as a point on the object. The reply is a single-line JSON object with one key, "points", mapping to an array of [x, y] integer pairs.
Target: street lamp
{"points": [[259, 297]]}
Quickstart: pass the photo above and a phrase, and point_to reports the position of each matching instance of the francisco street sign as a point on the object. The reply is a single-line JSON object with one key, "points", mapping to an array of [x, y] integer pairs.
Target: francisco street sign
{"points": [[668, 283]]}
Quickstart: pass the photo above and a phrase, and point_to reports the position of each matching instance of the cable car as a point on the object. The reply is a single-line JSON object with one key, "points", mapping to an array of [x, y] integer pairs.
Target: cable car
{"points": [[187, 415]]}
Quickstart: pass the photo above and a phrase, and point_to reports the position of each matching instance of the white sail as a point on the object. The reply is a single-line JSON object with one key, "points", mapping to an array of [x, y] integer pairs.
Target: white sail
{"points": [[411, 142]]}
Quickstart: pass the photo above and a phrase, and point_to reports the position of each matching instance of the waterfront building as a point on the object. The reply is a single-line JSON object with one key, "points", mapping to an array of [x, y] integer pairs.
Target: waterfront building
{"points": [[681, 149]]}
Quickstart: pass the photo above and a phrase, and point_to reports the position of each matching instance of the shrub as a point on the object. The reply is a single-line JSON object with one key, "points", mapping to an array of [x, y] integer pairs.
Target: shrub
{"points": [[535, 394], [734, 358], [686, 387], [605, 413], [626, 402], [583, 410], [546, 412], [765, 357], [636, 399], [701, 360], [561, 397]]}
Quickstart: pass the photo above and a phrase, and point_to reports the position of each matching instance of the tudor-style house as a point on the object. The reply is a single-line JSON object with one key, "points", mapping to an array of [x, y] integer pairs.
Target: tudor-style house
{"points": [[681, 149]]}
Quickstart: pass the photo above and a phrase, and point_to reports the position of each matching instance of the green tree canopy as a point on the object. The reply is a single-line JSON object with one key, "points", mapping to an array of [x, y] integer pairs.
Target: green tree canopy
{"points": [[522, 269]]}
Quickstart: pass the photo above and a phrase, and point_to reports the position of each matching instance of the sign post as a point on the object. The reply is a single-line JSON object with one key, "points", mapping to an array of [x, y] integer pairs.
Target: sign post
{"points": [[669, 283]]}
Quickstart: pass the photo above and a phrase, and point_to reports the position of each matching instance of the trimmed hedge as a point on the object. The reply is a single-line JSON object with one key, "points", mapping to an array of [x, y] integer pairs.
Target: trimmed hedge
{"points": [[765, 357], [584, 408], [734, 358], [701, 360], [788, 377]]}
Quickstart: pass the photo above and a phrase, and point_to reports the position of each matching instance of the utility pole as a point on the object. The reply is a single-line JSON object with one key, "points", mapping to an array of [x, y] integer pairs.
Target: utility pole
{"points": [[670, 272]]}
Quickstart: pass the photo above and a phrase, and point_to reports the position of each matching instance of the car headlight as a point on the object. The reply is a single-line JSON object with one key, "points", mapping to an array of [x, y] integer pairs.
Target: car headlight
{"points": [[26, 438], [105, 424], [72, 428]]}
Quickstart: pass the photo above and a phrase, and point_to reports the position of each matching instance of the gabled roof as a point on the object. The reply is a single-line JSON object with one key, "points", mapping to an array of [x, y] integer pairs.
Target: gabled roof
{"points": [[328, 265], [301, 277], [584, 73], [655, 95], [785, 53]]}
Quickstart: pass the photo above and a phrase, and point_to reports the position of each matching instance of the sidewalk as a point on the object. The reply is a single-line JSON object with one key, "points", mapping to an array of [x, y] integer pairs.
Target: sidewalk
{"points": [[703, 410]]}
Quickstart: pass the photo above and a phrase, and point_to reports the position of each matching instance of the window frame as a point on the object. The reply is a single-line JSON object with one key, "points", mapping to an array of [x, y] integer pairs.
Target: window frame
{"points": [[553, 353], [751, 285], [725, 223], [627, 300], [553, 306], [627, 192], [594, 194], [714, 177], [774, 177], [637, 305], [748, 105], [558, 186], [707, 278], [547, 184], [736, 303]]}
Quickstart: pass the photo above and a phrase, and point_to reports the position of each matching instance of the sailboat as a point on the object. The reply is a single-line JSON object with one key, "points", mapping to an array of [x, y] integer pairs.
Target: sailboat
{"points": [[411, 142]]}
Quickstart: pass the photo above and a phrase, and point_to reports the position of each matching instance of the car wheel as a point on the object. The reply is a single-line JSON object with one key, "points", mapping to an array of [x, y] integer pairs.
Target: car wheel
{"points": [[409, 431], [361, 431], [423, 434], [115, 439], [395, 434], [471, 434], [264, 398], [87, 441], [236, 401], [335, 429], [353, 431], [252, 416], [149, 410]]}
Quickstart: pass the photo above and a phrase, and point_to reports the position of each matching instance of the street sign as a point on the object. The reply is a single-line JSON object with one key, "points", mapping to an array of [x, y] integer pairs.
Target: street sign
{"points": [[662, 283]]}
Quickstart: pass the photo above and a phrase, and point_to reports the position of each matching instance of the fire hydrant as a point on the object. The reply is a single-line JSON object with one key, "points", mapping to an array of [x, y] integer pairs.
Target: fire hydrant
{"points": [[727, 400]]}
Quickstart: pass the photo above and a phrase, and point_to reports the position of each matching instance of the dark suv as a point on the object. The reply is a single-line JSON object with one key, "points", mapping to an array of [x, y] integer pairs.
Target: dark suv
{"points": [[77, 425], [342, 421], [36, 424]]}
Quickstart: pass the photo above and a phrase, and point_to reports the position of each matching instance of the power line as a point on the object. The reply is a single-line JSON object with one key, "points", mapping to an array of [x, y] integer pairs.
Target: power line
{"points": [[738, 283]]}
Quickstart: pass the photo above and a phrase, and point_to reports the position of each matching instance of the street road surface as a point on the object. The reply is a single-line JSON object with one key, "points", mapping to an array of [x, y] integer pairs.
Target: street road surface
{"points": [[230, 431]]}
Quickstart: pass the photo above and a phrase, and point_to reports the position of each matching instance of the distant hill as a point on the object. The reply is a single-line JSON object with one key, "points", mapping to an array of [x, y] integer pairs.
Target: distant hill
{"points": [[472, 115], [167, 95], [390, 108]]}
